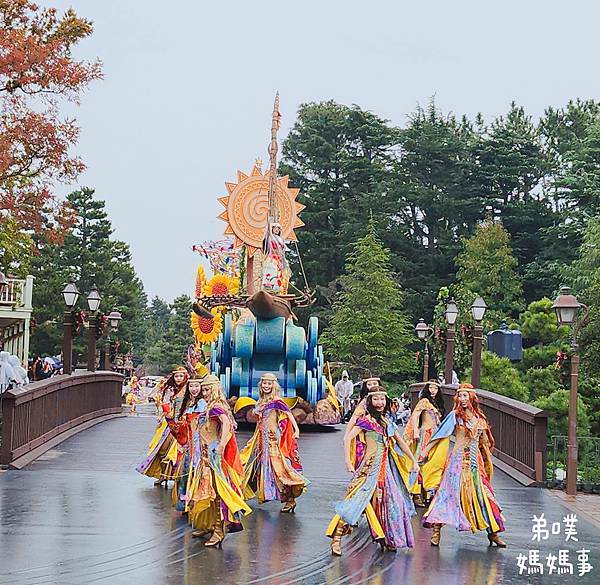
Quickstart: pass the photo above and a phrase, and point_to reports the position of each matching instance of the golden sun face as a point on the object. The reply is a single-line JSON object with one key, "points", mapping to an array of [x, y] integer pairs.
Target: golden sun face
{"points": [[247, 209]]}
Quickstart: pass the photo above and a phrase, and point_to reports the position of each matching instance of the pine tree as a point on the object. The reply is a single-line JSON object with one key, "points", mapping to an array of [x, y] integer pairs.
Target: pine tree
{"points": [[340, 158], [368, 328], [437, 202], [169, 334], [88, 256], [584, 275], [487, 267]]}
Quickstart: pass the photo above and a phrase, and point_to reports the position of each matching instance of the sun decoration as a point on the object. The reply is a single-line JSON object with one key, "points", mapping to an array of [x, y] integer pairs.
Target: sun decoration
{"points": [[221, 284], [207, 330], [247, 207]]}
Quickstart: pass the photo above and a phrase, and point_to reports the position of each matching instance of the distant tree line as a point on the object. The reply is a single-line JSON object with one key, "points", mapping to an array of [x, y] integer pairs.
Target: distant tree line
{"points": [[507, 210]]}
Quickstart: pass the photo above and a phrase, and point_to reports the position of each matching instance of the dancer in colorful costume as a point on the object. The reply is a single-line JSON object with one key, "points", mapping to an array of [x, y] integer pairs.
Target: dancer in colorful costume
{"points": [[133, 397], [422, 424], [465, 498], [377, 488], [162, 451], [157, 397], [361, 407], [272, 466], [210, 485]]}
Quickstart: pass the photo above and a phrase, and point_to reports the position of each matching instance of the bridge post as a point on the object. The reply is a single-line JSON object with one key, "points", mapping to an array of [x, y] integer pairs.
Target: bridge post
{"points": [[8, 409], [541, 448]]}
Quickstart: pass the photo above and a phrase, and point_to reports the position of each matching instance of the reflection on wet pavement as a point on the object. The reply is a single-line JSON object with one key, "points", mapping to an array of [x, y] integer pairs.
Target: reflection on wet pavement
{"points": [[81, 514]]}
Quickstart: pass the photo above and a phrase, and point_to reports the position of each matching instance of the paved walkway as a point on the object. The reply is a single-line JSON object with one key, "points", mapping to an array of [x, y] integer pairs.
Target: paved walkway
{"points": [[586, 505], [81, 515]]}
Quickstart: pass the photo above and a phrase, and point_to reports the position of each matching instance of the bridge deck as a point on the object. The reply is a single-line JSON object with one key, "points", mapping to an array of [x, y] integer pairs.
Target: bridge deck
{"points": [[80, 514]]}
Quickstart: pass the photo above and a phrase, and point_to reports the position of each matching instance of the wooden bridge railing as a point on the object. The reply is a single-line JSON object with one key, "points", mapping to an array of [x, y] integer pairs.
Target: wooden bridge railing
{"points": [[41, 411], [519, 430]]}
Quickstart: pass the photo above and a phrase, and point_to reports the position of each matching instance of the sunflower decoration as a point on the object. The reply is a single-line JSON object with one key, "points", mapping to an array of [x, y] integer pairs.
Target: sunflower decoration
{"points": [[207, 330], [221, 284], [200, 280]]}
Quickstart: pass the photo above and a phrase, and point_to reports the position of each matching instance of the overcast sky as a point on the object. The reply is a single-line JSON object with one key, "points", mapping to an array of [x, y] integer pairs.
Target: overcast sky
{"points": [[189, 86]]}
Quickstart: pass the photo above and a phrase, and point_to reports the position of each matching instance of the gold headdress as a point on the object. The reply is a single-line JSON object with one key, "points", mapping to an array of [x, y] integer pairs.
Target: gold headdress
{"points": [[210, 380], [372, 379], [215, 391], [377, 391], [276, 387]]}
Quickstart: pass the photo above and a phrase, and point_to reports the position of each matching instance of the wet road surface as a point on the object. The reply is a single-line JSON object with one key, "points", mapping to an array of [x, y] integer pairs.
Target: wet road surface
{"points": [[81, 514]]}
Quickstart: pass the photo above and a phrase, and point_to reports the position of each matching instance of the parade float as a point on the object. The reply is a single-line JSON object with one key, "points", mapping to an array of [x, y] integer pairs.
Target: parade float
{"points": [[243, 315]]}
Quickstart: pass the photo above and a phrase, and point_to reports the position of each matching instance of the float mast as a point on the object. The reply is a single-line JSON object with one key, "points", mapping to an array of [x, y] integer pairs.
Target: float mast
{"points": [[273, 209], [273, 148]]}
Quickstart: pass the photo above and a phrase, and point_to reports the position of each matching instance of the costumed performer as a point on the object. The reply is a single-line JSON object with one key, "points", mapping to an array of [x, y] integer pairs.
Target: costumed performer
{"points": [[162, 454], [134, 396], [271, 462], [213, 490], [422, 424], [276, 270], [361, 407], [377, 488], [465, 498]]}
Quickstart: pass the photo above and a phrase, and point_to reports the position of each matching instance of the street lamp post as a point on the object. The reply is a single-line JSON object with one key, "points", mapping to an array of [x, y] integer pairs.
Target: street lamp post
{"points": [[93, 300], [567, 308], [70, 296], [478, 309], [424, 333], [114, 318], [451, 314]]}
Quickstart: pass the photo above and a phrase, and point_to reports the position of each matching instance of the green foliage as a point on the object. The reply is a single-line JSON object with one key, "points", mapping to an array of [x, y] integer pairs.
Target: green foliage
{"points": [[486, 267], [512, 159], [169, 334], [563, 129], [540, 357], [368, 328], [557, 407], [16, 247], [433, 182], [340, 157], [438, 201], [584, 274], [395, 389], [580, 180], [588, 389], [541, 381], [500, 376], [539, 325], [88, 256]]}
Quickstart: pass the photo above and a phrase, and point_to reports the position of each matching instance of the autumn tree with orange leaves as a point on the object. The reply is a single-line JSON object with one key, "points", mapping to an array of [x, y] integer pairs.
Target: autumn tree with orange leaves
{"points": [[38, 74]]}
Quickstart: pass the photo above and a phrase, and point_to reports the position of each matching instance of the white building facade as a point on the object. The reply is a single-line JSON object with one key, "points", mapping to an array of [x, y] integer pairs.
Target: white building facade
{"points": [[15, 316]]}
